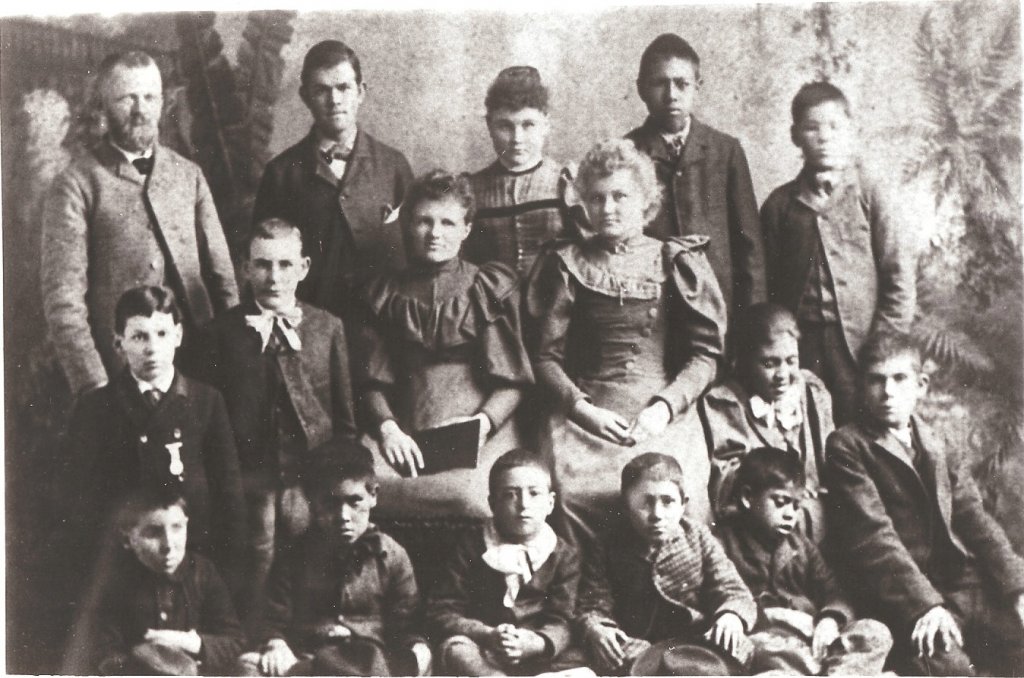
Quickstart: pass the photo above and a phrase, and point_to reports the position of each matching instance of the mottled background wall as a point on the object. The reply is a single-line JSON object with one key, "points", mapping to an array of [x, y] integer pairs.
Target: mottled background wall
{"points": [[936, 94]]}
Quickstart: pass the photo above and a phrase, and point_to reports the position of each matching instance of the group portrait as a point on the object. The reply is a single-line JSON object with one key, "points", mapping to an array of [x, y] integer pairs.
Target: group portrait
{"points": [[677, 340]]}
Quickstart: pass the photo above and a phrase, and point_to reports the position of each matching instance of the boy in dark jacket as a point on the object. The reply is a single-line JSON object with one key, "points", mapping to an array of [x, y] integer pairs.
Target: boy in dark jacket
{"points": [[923, 554], [505, 602], [807, 626], [342, 599], [166, 610]]}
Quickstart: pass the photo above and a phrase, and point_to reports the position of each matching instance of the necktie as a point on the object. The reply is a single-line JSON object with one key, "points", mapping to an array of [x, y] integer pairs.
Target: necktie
{"points": [[152, 397], [277, 330], [336, 152], [144, 165]]}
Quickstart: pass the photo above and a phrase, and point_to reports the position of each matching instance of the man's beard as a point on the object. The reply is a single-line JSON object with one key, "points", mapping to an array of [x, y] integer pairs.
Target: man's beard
{"points": [[136, 134]]}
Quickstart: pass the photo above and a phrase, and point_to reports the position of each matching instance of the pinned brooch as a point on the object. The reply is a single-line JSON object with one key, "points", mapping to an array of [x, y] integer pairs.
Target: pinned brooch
{"points": [[176, 467]]}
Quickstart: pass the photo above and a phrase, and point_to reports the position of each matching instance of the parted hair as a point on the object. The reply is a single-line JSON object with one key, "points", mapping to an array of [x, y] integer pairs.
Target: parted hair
{"points": [[652, 466], [613, 155], [516, 88], [765, 468], [438, 184], [144, 301], [274, 229], [328, 54], [885, 344], [667, 46], [813, 94], [515, 458], [759, 325]]}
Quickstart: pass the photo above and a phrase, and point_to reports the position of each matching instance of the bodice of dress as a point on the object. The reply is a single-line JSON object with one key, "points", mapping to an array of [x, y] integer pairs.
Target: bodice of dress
{"points": [[447, 337]]}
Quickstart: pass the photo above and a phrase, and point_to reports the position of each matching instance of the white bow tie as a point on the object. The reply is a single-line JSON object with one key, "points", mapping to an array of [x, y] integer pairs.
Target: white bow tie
{"points": [[784, 412], [287, 322]]}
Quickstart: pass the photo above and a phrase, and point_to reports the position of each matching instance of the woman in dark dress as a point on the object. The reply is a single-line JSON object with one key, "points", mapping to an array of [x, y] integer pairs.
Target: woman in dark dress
{"points": [[444, 346], [628, 333]]}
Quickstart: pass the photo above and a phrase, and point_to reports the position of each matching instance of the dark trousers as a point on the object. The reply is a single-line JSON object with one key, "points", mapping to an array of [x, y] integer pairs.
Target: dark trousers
{"points": [[993, 639], [823, 350]]}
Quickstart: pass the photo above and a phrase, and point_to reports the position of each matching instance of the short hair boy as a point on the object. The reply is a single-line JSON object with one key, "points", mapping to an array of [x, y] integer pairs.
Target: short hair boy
{"points": [[836, 253], [809, 627], [768, 400], [518, 195], [923, 554], [504, 603], [341, 600], [152, 426], [336, 184], [283, 367], [167, 611], [703, 172], [658, 577]]}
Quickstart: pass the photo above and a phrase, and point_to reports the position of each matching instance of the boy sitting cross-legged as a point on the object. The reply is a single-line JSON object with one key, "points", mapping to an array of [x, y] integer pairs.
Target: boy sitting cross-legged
{"points": [[505, 602], [341, 599], [923, 553], [167, 612], [809, 626], [662, 577]]}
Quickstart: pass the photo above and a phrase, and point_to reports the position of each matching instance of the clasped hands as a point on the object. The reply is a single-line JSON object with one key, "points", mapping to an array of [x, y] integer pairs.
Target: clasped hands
{"points": [[511, 645], [603, 423]]}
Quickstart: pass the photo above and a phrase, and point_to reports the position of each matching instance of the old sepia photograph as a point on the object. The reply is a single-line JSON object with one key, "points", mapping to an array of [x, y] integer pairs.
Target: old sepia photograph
{"points": [[521, 339]]}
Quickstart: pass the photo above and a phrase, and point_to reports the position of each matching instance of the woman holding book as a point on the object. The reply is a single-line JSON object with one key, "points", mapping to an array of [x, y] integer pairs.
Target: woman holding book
{"points": [[445, 358]]}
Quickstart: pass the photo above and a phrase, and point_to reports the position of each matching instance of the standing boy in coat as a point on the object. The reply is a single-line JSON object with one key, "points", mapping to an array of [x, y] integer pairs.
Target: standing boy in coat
{"points": [[153, 427], [703, 173], [923, 553], [836, 254], [338, 184], [283, 367]]}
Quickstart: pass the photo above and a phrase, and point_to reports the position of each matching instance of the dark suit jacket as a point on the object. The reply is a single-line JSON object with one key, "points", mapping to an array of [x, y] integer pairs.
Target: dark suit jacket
{"points": [[467, 599], [122, 445], [867, 250], [194, 597], [881, 514], [708, 191], [341, 225], [101, 236], [316, 378]]}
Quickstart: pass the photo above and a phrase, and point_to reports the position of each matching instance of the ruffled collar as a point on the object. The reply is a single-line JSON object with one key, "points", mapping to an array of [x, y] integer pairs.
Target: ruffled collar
{"points": [[631, 270], [463, 299]]}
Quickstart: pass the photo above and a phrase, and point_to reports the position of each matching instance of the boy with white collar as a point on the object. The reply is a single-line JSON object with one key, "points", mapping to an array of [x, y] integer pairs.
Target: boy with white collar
{"points": [[154, 427], [505, 602]]}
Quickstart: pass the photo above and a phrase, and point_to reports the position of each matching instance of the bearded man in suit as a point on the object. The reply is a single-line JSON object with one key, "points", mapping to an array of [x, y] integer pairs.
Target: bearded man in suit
{"points": [[129, 212]]}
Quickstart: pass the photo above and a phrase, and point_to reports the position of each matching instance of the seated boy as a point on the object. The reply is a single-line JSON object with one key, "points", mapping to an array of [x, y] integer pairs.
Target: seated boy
{"points": [[518, 204], [166, 611], [923, 554], [341, 599], [809, 629], [505, 601], [768, 402], [283, 367], [661, 577], [703, 172], [835, 253], [152, 426]]}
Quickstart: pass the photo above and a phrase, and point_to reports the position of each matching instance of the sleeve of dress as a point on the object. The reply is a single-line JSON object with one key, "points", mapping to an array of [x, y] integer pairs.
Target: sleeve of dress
{"points": [[550, 295], [697, 321], [496, 293], [374, 376]]}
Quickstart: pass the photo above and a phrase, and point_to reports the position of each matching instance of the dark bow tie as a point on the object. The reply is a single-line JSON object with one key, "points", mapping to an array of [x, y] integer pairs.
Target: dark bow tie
{"points": [[336, 152], [144, 165]]}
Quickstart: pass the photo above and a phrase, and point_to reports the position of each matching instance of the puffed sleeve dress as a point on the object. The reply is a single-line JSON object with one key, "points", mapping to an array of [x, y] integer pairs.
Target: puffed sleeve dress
{"points": [[624, 329], [444, 342]]}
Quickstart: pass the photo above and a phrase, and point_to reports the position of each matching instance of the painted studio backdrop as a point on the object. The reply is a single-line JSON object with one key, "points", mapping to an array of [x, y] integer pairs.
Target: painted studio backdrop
{"points": [[936, 97]]}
